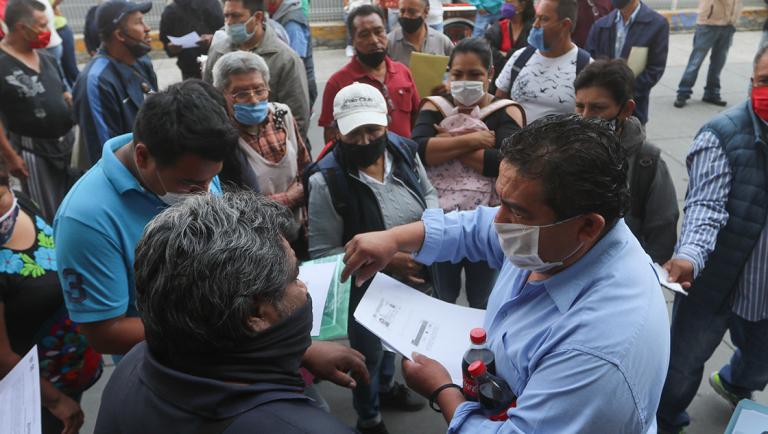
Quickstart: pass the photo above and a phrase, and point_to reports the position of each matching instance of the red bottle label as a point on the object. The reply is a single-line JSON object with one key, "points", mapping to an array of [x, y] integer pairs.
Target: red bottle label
{"points": [[470, 388]]}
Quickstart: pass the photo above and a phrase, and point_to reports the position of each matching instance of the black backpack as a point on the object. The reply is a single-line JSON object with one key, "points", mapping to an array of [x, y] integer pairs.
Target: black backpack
{"points": [[643, 174]]}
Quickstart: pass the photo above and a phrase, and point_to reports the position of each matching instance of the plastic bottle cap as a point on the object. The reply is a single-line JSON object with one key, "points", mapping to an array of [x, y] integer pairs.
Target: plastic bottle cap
{"points": [[477, 335], [477, 368]]}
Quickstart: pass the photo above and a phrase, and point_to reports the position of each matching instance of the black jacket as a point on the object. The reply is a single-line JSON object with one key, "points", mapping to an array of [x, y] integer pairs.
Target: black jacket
{"points": [[143, 396], [184, 16]]}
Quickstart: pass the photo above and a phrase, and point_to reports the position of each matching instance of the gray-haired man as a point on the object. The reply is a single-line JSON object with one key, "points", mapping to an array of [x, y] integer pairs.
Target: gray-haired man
{"points": [[227, 326]]}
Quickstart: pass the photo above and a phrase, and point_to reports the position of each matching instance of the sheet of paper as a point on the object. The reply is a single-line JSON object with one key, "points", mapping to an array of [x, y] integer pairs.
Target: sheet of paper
{"points": [[410, 321], [751, 422], [20, 410], [663, 276], [428, 71], [187, 41], [318, 279], [638, 59]]}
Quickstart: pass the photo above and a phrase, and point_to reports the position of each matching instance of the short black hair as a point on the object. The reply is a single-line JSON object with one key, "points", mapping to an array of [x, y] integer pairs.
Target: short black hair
{"points": [[252, 5], [759, 55], [21, 10], [612, 75], [580, 163], [568, 9], [362, 11], [476, 46], [183, 119]]}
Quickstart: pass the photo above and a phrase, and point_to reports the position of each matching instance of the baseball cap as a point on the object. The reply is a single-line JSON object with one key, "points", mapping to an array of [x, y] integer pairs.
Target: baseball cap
{"points": [[111, 12], [359, 104]]}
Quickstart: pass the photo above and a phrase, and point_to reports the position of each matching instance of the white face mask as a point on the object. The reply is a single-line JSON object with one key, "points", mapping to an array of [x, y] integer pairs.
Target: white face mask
{"points": [[173, 198], [467, 93], [520, 244]]}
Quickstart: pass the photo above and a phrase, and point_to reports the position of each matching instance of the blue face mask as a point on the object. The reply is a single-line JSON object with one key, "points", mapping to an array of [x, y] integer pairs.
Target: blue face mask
{"points": [[251, 113], [238, 34], [536, 39]]}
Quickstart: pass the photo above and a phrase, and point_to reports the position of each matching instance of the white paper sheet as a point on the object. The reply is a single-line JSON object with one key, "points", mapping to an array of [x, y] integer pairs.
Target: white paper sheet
{"points": [[410, 321], [663, 276], [20, 410], [187, 41], [751, 422], [318, 279]]}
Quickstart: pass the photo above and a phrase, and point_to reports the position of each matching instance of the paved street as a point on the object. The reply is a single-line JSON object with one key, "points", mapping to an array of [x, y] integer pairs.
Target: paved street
{"points": [[670, 128]]}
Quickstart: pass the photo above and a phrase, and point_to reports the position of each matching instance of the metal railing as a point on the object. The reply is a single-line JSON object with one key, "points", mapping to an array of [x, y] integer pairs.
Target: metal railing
{"points": [[75, 11]]}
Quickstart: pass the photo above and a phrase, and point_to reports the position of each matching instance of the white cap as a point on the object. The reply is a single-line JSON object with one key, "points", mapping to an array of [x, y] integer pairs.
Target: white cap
{"points": [[359, 104]]}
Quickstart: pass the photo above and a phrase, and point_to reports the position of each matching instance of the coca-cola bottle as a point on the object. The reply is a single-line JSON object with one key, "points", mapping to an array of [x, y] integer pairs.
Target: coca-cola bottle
{"points": [[493, 392], [477, 351]]}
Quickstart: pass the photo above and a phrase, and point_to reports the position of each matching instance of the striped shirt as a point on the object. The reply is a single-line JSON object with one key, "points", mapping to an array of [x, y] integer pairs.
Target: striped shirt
{"points": [[705, 214]]}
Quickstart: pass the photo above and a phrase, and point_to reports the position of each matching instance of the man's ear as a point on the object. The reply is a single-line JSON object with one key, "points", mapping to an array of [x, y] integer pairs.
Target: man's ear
{"points": [[629, 108], [591, 228], [142, 155]]}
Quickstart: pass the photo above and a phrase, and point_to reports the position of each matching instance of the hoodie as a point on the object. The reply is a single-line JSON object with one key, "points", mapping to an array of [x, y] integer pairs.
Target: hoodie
{"points": [[144, 396], [657, 228]]}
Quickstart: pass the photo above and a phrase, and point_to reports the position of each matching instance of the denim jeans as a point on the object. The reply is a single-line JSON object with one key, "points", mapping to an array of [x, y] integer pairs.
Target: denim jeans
{"points": [[482, 21], [479, 281], [715, 38], [380, 364], [695, 335]]}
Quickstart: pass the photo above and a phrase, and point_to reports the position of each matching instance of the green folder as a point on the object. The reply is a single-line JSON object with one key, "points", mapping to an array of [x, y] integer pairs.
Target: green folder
{"points": [[334, 324]]}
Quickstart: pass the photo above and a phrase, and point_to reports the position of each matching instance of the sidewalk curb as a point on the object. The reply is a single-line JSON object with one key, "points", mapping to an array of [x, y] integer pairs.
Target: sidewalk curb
{"points": [[332, 34]]}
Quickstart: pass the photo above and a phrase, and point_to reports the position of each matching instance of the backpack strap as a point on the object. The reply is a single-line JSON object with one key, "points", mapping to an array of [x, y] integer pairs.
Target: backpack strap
{"points": [[643, 174], [497, 105], [334, 177], [443, 105], [519, 64], [582, 60]]}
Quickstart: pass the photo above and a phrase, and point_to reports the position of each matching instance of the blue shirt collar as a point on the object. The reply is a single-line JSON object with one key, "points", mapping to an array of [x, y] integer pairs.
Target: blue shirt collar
{"points": [[565, 286], [620, 19], [117, 174]]}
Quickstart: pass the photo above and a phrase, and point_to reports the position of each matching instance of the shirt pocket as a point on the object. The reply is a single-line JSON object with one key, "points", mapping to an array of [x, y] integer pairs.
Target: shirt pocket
{"points": [[402, 99]]}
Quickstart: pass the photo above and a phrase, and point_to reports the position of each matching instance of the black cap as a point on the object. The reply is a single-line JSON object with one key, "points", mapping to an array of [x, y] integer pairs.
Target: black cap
{"points": [[111, 12]]}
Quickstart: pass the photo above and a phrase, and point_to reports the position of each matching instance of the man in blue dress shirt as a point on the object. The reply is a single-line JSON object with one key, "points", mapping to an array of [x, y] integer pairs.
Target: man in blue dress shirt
{"points": [[577, 320]]}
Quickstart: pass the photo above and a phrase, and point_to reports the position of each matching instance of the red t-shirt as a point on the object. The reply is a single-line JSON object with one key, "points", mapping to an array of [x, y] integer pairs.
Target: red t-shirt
{"points": [[398, 89]]}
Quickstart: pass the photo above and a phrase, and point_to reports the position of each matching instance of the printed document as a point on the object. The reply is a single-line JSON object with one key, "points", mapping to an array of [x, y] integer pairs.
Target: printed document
{"points": [[409, 321], [20, 410]]}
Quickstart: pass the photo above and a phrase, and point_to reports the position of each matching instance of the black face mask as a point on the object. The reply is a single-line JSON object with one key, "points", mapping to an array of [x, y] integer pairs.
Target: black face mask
{"points": [[411, 25], [138, 48], [372, 60], [358, 156]]}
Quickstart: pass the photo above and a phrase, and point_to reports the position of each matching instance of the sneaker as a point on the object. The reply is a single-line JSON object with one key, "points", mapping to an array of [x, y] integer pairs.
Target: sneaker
{"points": [[679, 102], [379, 428], [717, 385], [716, 101], [400, 397]]}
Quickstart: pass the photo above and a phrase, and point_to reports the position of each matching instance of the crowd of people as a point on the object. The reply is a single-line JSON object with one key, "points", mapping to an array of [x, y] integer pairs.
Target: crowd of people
{"points": [[525, 178]]}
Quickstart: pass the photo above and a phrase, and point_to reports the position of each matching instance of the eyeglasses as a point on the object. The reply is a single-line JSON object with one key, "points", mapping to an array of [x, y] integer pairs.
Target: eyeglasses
{"points": [[245, 95]]}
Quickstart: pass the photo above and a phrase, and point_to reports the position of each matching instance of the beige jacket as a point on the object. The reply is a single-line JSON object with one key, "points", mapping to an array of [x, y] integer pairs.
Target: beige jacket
{"points": [[719, 12]]}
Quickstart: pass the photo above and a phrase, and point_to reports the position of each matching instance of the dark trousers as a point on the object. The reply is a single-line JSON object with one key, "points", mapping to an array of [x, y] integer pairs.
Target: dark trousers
{"points": [[696, 333]]}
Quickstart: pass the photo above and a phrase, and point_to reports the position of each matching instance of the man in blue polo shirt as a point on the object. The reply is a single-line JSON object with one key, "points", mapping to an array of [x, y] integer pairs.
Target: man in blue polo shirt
{"points": [[180, 139], [112, 88]]}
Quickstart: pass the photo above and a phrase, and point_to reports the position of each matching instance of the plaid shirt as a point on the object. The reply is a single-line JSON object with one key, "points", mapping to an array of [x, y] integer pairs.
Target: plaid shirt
{"points": [[270, 143]]}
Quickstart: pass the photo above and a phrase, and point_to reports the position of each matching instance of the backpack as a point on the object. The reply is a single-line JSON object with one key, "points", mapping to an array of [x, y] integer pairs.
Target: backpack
{"points": [[643, 174], [458, 186], [335, 176], [582, 60]]}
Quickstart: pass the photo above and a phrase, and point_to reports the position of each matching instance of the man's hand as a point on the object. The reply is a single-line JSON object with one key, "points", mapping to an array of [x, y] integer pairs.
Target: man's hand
{"points": [[366, 254], [68, 99], [69, 413], [332, 361], [480, 140], [205, 41], [680, 271], [174, 49], [424, 375], [405, 268], [16, 165]]}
